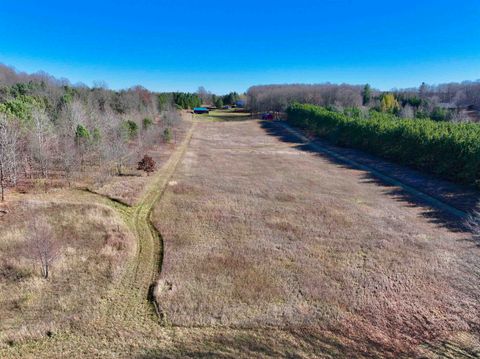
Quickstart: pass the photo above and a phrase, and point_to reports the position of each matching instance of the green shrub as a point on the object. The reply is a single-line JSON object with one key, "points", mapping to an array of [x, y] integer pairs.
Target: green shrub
{"points": [[449, 150], [147, 123], [131, 129], [167, 135], [96, 135], [388, 103], [21, 107], [439, 114], [81, 132]]}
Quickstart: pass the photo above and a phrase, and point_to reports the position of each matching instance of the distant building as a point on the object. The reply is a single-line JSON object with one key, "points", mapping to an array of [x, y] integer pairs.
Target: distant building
{"points": [[200, 110], [240, 103]]}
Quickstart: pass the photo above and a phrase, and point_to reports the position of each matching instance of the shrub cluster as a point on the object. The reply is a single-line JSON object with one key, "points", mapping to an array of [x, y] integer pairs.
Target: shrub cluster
{"points": [[449, 150]]}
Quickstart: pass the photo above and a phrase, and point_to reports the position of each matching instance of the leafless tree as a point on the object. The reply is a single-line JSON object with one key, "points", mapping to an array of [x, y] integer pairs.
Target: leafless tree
{"points": [[42, 246], [278, 97], [204, 95], [407, 112], [42, 141], [8, 154], [116, 149], [171, 118]]}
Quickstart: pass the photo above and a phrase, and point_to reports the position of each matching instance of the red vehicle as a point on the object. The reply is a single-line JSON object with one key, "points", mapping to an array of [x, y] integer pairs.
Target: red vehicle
{"points": [[267, 116]]}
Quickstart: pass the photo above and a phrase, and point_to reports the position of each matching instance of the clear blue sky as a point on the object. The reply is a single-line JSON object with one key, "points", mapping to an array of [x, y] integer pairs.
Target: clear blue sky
{"points": [[228, 45]]}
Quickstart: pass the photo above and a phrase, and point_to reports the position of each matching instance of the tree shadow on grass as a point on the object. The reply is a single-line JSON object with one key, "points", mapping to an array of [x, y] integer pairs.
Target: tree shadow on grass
{"points": [[253, 343], [456, 197]]}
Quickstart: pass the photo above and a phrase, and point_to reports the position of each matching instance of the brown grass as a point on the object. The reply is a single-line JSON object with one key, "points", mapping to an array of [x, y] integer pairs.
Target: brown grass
{"points": [[258, 234], [94, 242], [269, 252]]}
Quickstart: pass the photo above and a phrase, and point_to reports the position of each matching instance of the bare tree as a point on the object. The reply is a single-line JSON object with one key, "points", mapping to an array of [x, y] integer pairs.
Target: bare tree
{"points": [[42, 141], [8, 154], [278, 97], [407, 112], [204, 95], [42, 246], [68, 157], [116, 148], [171, 118]]}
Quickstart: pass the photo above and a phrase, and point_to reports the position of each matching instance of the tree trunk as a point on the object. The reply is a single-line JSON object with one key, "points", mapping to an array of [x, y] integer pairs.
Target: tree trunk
{"points": [[45, 269], [1, 183]]}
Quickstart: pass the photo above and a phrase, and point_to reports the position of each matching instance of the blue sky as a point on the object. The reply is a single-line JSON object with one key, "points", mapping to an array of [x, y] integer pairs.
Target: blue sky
{"points": [[224, 46]]}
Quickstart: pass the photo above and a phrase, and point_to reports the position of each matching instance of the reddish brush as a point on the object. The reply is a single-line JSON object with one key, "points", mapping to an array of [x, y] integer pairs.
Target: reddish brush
{"points": [[147, 164]]}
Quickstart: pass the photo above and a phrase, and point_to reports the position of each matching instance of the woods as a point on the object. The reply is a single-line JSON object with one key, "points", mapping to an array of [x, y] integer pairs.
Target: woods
{"points": [[455, 102], [51, 130]]}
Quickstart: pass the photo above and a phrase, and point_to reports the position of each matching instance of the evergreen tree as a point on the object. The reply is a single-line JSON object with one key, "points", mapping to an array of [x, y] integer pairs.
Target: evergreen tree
{"points": [[366, 94]]}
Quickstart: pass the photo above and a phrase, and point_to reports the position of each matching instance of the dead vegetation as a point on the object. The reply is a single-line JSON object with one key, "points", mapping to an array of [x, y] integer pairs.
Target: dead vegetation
{"points": [[260, 235], [269, 252], [55, 267], [130, 187]]}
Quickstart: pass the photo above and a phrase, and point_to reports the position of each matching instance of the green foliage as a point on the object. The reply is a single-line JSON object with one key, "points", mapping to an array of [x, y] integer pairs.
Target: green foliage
{"points": [[165, 100], [181, 100], [26, 88], [217, 101], [230, 99], [21, 107], [131, 129], [66, 99], [167, 135], [366, 95], [449, 150], [186, 100], [147, 123], [353, 112], [413, 101], [82, 135], [421, 114], [96, 135], [389, 103], [439, 114]]}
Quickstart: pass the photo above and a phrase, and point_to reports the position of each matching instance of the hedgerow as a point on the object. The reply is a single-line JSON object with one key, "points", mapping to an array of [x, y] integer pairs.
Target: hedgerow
{"points": [[448, 150]]}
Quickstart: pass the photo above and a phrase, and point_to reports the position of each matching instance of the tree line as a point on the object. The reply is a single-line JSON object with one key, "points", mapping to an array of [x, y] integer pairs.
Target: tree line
{"points": [[51, 128], [209, 98], [449, 150], [457, 102]]}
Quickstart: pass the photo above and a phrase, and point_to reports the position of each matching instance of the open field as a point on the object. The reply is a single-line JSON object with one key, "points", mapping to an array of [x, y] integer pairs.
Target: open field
{"points": [[91, 259], [258, 234], [224, 116], [268, 251]]}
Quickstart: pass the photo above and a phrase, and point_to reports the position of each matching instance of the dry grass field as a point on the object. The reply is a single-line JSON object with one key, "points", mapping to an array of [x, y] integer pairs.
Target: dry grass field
{"points": [[268, 251], [94, 244], [258, 234]]}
